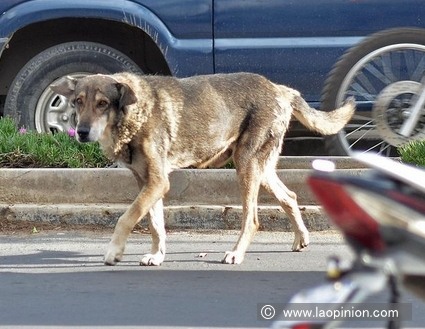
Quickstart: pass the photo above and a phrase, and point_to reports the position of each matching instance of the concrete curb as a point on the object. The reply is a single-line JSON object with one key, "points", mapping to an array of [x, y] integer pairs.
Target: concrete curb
{"points": [[272, 218], [198, 199]]}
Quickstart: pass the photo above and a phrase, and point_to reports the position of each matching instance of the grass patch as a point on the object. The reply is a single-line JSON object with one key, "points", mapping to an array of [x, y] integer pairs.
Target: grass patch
{"points": [[413, 153], [22, 149]]}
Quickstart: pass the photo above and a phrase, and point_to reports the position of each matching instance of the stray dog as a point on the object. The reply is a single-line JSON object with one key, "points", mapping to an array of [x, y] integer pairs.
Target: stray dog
{"points": [[155, 124]]}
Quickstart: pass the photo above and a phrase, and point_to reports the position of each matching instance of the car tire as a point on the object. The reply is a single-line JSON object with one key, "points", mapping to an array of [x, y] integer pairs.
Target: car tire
{"points": [[32, 104], [352, 65]]}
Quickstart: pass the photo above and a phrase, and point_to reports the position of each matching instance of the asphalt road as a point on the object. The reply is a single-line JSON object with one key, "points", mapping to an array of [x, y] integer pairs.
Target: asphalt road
{"points": [[57, 279]]}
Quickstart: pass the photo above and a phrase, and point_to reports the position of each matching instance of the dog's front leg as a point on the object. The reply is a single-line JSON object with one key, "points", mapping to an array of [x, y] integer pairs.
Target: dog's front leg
{"points": [[153, 191], [122, 230], [157, 228]]}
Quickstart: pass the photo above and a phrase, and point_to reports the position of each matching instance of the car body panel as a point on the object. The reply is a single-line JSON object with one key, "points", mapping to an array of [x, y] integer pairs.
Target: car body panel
{"points": [[291, 42], [297, 42], [185, 55]]}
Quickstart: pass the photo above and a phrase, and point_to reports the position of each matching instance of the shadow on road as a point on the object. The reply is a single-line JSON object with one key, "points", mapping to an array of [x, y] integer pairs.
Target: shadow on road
{"points": [[51, 288]]}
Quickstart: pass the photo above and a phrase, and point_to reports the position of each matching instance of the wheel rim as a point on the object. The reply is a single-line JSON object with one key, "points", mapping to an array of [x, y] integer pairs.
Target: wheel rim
{"points": [[366, 81], [53, 113], [392, 108]]}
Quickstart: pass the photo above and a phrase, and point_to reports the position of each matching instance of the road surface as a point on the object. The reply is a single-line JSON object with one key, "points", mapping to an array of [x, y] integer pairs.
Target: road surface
{"points": [[57, 279]]}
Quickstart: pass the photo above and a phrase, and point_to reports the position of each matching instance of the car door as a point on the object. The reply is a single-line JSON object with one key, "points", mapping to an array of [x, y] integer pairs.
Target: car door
{"points": [[296, 42]]}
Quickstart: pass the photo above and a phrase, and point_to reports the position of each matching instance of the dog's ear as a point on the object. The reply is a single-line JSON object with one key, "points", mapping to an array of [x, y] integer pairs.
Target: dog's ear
{"points": [[65, 86], [127, 95]]}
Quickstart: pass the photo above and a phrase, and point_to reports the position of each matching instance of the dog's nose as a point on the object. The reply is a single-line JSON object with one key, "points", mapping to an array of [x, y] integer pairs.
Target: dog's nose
{"points": [[83, 133]]}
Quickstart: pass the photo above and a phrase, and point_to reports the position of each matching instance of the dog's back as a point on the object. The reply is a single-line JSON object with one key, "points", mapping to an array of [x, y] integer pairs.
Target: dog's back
{"points": [[204, 116]]}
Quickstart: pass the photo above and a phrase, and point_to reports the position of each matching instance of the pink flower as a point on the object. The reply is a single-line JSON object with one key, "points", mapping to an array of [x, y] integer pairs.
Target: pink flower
{"points": [[22, 130], [71, 132]]}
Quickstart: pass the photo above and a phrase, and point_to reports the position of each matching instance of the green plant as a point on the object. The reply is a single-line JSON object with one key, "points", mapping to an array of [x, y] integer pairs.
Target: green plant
{"points": [[413, 153], [22, 148]]}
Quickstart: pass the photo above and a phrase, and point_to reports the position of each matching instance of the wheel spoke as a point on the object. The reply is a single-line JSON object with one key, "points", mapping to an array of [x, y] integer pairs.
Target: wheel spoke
{"points": [[360, 91], [409, 60], [361, 127], [359, 139], [365, 82], [382, 145], [419, 71], [387, 68], [377, 74]]}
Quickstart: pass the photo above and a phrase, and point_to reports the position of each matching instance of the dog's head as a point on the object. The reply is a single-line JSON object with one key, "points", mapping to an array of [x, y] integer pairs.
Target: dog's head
{"points": [[98, 101]]}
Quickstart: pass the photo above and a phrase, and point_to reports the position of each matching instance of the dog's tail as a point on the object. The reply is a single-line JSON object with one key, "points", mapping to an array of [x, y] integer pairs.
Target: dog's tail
{"points": [[325, 123]]}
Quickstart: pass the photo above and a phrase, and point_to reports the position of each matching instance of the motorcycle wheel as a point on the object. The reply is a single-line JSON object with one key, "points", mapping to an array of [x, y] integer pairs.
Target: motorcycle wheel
{"points": [[383, 73]]}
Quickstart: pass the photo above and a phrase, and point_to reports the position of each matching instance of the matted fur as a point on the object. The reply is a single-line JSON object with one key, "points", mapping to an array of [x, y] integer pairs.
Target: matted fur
{"points": [[155, 124]]}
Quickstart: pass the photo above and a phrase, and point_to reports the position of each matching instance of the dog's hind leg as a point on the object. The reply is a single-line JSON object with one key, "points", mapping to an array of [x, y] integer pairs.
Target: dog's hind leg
{"points": [[249, 182], [157, 229], [288, 201]]}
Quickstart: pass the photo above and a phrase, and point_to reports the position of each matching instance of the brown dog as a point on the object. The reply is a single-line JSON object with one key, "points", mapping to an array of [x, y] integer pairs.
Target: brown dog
{"points": [[155, 124]]}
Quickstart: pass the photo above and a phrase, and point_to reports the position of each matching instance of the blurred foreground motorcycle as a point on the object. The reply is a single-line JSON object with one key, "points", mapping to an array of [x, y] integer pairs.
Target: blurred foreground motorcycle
{"points": [[382, 217], [385, 74]]}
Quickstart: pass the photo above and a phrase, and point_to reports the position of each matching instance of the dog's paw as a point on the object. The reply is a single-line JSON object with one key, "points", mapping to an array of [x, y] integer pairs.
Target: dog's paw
{"points": [[152, 259], [301, 241], [232, 257], [112, 256]]}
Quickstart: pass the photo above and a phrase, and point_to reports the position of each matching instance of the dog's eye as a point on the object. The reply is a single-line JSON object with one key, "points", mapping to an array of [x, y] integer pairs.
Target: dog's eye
{"points": [[102, 103], [79, 101]]}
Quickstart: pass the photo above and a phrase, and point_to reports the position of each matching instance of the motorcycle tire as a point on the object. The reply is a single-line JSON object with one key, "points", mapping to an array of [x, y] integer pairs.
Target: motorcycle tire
{"points": [[363, 72]]}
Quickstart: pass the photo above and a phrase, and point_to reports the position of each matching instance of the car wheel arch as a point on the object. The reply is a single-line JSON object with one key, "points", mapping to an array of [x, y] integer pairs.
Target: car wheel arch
{"points": [[20, 47]]}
